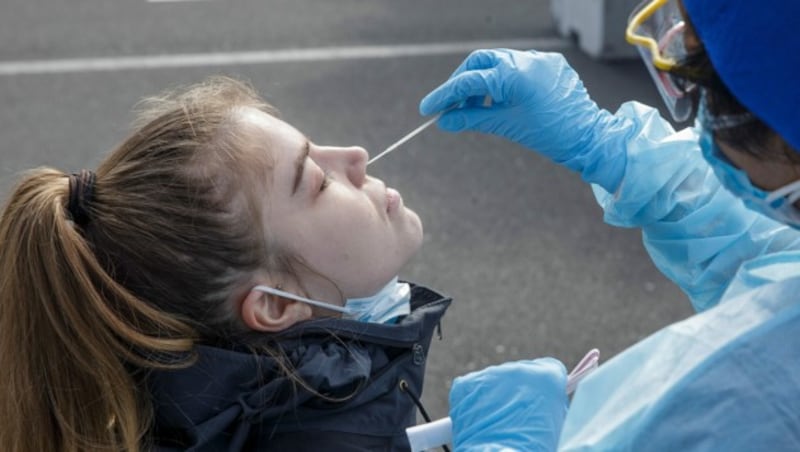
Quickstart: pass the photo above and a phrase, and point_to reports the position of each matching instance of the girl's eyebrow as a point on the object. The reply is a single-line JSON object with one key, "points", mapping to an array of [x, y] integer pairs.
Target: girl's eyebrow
{"points": [[300, 165]]}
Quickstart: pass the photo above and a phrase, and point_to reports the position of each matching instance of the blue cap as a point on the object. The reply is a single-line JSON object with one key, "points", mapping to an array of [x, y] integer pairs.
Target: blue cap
{"points": [[755, 48]]}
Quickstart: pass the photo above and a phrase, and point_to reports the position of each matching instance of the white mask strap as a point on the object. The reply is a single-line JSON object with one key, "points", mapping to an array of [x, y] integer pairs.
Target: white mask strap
{"points": [[291, 296], [792, 191]]}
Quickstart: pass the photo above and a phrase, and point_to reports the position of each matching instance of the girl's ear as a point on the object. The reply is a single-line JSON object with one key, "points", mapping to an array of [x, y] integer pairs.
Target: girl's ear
{"points": [[271, 313]]}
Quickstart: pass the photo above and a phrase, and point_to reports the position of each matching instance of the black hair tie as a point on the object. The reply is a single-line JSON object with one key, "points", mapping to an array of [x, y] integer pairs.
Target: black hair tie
{"points": [[81, 193]]}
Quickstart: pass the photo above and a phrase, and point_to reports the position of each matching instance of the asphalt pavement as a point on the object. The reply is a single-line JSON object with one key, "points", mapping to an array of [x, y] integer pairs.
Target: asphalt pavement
{"points": [[518, 242]]}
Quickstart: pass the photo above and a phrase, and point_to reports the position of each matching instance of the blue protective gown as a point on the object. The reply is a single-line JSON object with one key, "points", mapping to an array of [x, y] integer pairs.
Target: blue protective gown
{"points": [[728, 378]]}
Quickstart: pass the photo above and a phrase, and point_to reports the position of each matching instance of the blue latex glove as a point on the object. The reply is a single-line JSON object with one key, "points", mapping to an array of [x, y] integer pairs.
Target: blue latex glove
{"points": [[518, 405], [538, 101]]}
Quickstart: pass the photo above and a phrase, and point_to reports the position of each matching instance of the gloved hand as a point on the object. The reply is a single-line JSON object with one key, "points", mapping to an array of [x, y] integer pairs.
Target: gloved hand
{"points": [[518, 405], [538, 101]]}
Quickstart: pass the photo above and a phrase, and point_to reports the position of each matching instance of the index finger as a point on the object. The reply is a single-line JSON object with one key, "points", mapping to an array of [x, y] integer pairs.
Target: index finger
{"points": [[461, 88], [478, 59]]}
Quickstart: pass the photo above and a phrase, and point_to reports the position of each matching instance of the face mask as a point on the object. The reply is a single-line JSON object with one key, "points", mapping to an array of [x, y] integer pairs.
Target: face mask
{"points": [[387, 306], [777, 204]]}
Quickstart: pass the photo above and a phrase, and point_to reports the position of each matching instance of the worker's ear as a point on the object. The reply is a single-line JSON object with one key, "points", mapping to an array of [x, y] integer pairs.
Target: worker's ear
{"points": [[271, 313]]}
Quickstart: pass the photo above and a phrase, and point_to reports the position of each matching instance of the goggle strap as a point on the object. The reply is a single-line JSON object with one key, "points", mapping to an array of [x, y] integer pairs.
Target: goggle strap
{"points": [[725, 121]]}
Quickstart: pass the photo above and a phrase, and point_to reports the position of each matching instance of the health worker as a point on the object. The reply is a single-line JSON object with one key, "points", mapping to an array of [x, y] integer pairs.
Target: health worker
{"points": [[719, 212]]}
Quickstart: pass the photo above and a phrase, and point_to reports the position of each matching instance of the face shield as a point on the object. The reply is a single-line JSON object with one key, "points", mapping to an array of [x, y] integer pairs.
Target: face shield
{"points": [[657, 29]]}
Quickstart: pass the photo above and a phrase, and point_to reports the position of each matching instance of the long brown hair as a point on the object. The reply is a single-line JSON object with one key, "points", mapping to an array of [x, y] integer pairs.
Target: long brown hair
{"points": [[85, 309]]}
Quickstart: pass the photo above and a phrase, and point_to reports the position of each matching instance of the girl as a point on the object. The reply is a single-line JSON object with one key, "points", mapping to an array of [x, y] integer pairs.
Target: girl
{"points": [[188, 294]]}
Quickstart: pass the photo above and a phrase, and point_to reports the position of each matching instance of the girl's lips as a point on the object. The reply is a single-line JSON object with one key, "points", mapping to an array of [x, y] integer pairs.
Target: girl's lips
{"points": [[393, 200]]}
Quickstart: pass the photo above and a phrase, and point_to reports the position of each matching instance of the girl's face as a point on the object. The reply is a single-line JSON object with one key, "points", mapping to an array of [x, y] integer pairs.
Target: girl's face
{"points": [[320, 205]]}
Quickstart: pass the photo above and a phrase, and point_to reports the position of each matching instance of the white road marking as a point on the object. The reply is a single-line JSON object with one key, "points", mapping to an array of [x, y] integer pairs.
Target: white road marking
{"points": [[80, 65], [176, 1]]}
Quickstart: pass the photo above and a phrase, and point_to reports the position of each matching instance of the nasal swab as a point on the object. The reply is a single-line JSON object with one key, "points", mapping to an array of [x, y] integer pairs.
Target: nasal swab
{"points": [[408, 136], [439, 432], [584, 368]]}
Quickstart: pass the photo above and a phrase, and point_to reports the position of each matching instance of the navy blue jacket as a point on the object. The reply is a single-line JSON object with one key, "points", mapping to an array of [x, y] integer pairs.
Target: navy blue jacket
{"points": [[233, 399]]}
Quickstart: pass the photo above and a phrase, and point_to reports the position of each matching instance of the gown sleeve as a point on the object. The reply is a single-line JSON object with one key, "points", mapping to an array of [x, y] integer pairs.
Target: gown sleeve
{"points": [[697, 233]]}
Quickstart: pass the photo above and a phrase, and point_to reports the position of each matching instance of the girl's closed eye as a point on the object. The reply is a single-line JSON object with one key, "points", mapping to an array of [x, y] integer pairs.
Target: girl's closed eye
{"points": [[326, 180]]}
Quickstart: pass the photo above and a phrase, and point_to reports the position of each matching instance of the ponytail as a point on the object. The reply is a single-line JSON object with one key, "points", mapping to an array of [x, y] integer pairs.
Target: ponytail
{"points": [[69, 333], [91, 297]]}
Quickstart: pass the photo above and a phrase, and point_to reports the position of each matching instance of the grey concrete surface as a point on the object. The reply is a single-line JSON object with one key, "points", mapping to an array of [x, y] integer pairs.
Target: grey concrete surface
{"points": [[517, 241]]}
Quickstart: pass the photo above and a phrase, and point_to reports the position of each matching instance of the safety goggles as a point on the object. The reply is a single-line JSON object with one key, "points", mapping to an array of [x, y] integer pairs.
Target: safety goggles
{"points": [[657, 29]]}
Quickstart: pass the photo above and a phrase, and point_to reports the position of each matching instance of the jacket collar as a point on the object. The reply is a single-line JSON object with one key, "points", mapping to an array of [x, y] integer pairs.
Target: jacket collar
{"points": [[332, 357]]}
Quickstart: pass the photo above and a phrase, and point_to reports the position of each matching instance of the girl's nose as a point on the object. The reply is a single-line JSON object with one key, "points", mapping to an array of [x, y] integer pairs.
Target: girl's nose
{"points": [[350, 161], [359, 167]]}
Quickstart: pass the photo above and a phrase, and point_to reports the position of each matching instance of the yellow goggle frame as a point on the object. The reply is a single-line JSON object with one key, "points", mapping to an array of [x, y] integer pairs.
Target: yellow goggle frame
{"points": [[660, 61]]}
